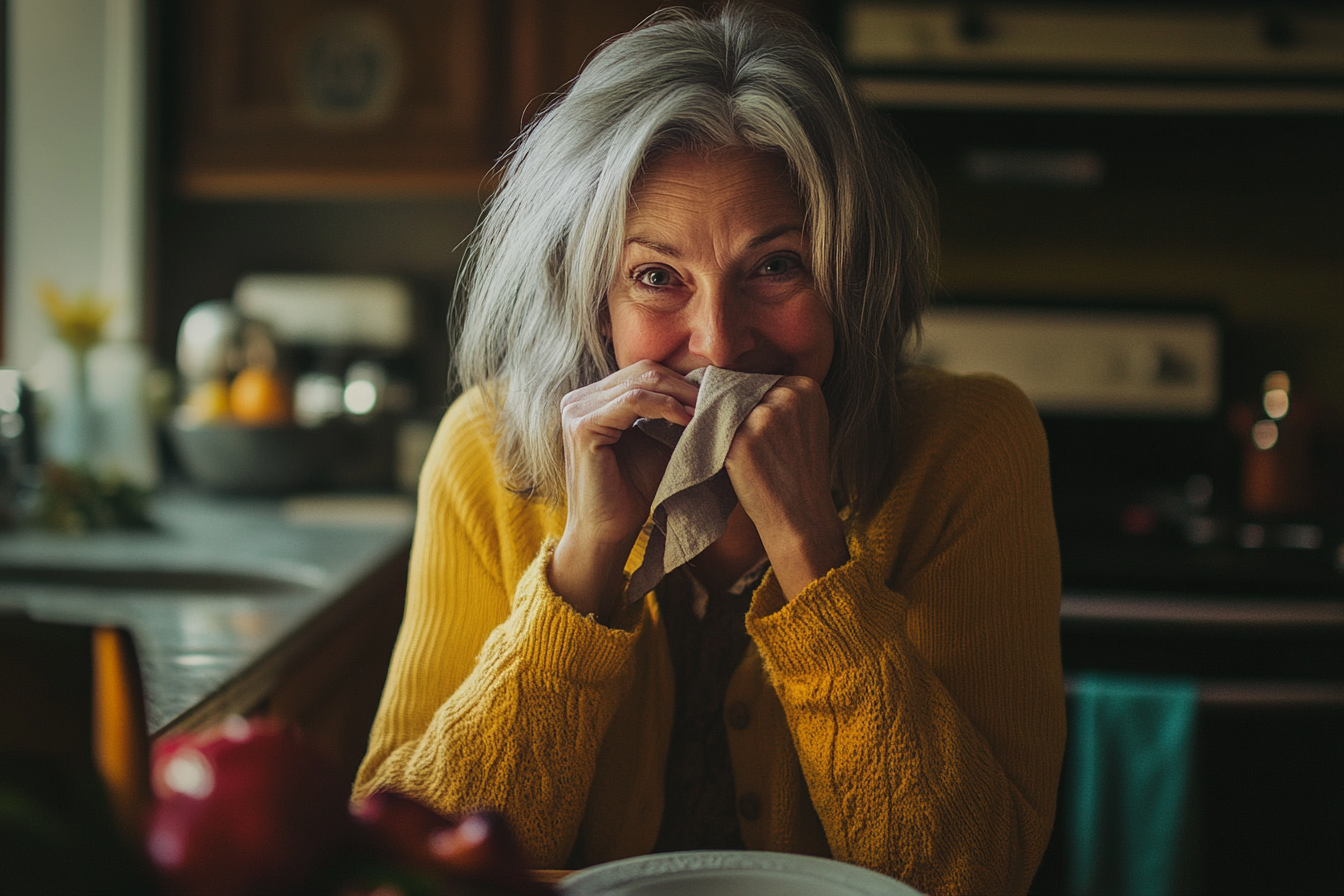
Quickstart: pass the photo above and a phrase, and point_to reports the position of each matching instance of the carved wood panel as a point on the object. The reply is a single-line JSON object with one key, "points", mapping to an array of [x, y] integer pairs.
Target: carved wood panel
{"points": [[306, 96]]}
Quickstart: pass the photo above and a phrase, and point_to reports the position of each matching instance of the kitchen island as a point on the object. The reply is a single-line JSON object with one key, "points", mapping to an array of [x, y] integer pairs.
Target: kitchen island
{"points": [[236, 605]]}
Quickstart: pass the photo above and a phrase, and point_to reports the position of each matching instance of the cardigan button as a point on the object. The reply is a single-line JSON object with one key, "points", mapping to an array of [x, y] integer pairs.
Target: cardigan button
{"points": [[739, 717], [749, 806]]}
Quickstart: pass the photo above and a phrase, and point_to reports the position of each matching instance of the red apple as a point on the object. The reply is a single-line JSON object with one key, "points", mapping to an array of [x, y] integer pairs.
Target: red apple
{"points": [[481, 848], [398, 828], [247, 808]]}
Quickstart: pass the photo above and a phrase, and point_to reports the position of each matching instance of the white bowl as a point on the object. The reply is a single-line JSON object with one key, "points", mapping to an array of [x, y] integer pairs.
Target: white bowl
{"points": [[725, 872]]}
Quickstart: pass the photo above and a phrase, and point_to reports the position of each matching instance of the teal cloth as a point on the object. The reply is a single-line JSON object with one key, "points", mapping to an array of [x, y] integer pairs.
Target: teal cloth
{"points": [[1130, 746]]}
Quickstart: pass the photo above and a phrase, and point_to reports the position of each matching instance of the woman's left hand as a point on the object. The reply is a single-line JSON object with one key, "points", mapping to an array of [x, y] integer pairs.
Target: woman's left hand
{"points": [[779, 464]]}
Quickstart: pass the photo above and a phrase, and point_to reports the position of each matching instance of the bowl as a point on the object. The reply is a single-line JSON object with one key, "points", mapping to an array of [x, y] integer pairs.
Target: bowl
{"points": [[729, 873], [252, 460]]}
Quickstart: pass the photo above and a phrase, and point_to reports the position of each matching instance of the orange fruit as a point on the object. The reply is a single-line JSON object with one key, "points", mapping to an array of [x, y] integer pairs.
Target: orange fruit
{"points": [[208, 401], [259, 397]]}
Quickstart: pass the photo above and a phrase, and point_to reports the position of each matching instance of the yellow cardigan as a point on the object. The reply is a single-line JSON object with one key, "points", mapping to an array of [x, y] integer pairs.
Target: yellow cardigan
{"points": [[905, 712]]}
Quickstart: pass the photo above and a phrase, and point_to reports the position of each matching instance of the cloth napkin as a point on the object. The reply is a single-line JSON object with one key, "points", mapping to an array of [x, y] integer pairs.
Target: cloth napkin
{"points": [[695, 497], [1130, 743]]}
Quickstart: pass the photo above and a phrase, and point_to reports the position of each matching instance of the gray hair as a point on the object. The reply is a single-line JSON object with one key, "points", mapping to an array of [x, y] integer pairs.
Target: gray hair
{"points": [[545, 252]]}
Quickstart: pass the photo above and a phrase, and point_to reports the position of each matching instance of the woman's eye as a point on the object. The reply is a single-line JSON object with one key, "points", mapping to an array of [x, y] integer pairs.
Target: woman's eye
{"points": [[780, 264], [654, 277]]}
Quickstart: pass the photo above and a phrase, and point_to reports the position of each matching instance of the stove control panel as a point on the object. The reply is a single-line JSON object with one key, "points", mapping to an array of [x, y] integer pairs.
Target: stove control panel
{"points": [[1085, 362]]}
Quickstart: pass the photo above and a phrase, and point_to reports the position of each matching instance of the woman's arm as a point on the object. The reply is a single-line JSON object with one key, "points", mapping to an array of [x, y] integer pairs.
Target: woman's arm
{"points": [[499, 694], [928, 717]]}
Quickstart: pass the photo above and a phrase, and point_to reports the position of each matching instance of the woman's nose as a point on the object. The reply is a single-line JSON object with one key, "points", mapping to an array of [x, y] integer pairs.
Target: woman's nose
{"points": [[719, 331]]}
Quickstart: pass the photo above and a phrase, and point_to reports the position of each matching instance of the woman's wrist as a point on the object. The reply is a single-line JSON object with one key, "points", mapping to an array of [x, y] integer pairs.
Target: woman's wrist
{"points": [[799, 558], [587, 577]]}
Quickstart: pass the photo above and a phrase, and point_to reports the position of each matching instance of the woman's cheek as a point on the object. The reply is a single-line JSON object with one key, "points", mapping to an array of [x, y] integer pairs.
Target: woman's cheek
{"points": [[641, 340]]}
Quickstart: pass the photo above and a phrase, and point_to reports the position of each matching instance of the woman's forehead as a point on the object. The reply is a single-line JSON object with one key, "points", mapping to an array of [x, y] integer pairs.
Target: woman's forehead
{"points": [[700, 162], [731, 179]]}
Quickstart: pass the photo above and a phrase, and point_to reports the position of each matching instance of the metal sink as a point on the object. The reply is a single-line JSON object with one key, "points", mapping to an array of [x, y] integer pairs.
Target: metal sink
{"points": [[174, 581]]}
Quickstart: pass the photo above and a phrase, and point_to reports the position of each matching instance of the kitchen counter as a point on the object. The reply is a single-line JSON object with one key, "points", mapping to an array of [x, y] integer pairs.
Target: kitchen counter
{"points": [[224, 597]]}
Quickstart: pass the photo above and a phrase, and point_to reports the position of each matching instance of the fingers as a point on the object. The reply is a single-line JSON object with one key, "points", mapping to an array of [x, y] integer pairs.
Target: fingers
{"points": [[779, 464], [779, 459], [643, 375], [794, 408], [608, 419], [610, 406]]}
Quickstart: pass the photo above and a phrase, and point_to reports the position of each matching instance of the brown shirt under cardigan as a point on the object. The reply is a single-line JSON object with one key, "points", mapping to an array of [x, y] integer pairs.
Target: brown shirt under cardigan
{"points": [[706, 635]]}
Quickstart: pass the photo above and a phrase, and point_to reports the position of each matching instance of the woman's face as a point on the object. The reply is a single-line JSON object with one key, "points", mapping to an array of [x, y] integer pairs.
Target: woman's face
{"points": [[713, 270]]}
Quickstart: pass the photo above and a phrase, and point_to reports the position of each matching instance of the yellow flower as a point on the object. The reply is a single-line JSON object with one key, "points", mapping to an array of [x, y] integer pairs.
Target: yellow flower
{"points": [[79, 322]]}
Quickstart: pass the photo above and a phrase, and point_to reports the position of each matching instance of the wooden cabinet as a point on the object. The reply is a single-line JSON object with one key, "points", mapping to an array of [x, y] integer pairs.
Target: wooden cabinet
{"points": [[331, 692], [549, 41], [310, 98]]}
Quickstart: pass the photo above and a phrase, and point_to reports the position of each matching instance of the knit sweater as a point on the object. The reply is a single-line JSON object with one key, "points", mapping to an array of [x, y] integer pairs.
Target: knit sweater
{"points": [[904, 712]]}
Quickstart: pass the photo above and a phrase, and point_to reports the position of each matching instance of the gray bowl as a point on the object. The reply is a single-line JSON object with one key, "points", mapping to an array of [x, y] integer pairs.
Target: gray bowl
{"points": [[252, 460]]}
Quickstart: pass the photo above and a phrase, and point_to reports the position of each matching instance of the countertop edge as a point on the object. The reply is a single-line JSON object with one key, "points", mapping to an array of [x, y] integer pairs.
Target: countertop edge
{"points": [[247, 691]]}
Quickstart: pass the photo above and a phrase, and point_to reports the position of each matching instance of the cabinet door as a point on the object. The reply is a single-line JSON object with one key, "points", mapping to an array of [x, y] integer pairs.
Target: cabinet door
{"points": [[551, 39], [312, 97], [334, 97]]}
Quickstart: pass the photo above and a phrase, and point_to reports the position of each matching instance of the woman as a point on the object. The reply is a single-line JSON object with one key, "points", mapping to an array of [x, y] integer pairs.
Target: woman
{"points": [[866, 664]]}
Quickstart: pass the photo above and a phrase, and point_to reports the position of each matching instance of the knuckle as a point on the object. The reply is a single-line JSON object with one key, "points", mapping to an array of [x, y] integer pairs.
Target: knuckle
{"points": [[799, 387], [764, 415], [571, 419]]}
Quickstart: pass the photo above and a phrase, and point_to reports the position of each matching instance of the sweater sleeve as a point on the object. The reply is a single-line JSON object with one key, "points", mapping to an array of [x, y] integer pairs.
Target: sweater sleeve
{"points": [[499, 694], [921, 681]]}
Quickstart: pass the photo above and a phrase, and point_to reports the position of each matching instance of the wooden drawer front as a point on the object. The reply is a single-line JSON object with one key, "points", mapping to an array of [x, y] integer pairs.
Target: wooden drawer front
{"points": [[288, 95]]}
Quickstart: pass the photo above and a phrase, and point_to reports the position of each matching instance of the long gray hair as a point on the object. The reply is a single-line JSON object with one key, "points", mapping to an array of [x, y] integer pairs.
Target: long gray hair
{"points": [[545, 252]]}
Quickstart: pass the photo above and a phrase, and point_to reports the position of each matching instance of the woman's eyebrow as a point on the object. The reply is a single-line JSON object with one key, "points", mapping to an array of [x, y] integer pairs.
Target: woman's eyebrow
{"points": [[773, 233], [662, 248]]}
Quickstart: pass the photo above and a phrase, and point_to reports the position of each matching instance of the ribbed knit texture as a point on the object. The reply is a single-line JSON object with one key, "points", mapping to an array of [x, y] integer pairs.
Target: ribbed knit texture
{"points": [[906, 710]]}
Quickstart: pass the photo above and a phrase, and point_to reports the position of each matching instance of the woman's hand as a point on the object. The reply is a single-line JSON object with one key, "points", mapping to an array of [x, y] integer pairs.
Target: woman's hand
{"points": [[611, 475], [779, 464]]}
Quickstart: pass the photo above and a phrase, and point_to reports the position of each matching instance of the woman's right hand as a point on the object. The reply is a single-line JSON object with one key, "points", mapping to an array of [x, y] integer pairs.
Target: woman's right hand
{"points": [[611, 475]]}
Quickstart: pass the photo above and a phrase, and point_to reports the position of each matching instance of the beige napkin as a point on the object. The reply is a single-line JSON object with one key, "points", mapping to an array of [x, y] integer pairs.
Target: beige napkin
{"points": [[695, 497]]}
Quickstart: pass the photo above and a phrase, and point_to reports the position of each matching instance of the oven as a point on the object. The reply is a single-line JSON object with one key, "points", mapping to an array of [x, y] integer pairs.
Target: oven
{"points": [[1141, 212]]}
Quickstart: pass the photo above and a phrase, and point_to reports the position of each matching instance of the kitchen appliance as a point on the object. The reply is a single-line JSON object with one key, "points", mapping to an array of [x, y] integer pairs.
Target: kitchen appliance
{"points": [[1165, 160], [1280, 57], [1078, 361], [1113, 182], [333, 311], [209, 342], [1167, 573], [1146, 473], [333, 355], [351, 344]]}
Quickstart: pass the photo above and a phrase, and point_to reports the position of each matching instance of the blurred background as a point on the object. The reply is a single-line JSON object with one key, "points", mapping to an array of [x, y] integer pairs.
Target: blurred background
{"points": [[262, 203]]}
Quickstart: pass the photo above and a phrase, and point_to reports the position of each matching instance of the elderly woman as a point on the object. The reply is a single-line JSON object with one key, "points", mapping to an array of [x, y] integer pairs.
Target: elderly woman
{"points": [[865, 665]]}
